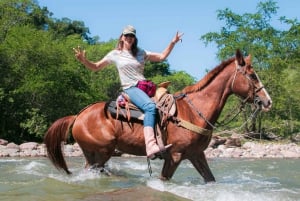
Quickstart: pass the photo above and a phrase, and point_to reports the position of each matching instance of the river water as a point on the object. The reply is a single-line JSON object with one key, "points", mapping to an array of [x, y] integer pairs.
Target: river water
{"points": [[237, 179]]}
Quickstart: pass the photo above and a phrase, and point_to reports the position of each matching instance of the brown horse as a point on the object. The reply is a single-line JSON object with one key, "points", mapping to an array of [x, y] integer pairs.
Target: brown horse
{"points": [[99, 134]]}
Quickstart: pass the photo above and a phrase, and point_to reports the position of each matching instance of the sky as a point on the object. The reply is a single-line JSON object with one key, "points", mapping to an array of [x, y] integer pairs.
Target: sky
{"points": [[157, 22]]}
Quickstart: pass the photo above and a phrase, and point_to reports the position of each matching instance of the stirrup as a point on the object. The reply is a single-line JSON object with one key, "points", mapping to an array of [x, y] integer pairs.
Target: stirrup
{"points": [[160, 153]]}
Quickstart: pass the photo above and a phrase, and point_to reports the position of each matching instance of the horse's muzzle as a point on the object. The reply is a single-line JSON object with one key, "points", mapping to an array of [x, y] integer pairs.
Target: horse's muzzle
{"points": [[265, 103]]}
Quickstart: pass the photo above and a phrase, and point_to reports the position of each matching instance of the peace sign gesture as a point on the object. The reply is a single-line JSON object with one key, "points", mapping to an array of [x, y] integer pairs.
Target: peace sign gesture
{"points": [[79, 53], [177, 37]]}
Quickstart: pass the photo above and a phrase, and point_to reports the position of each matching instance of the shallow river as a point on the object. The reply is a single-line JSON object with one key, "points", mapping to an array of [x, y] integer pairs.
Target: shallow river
{"points": [[237, 179]]}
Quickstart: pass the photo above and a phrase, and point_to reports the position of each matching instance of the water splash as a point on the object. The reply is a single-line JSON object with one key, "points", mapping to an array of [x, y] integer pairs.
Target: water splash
{"points": [[245, 180]]}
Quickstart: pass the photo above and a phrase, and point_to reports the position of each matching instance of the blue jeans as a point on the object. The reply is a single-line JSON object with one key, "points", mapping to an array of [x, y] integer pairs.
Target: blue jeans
{"points": [[144, 103]]}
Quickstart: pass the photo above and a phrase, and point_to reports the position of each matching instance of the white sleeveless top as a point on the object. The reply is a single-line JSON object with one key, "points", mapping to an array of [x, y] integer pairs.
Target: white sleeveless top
{"points": [[131, 69]]}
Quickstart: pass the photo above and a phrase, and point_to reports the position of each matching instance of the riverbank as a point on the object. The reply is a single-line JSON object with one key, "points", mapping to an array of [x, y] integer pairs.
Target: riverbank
{"points": [[249, 149]]}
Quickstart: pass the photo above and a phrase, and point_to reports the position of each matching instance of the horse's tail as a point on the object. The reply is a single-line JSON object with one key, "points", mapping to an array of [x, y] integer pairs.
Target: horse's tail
{"points": [[54, 137]]}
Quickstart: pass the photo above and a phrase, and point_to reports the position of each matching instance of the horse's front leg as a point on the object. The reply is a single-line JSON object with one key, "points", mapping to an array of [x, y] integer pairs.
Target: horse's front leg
{"points": [[170, 165], [200, 163]]}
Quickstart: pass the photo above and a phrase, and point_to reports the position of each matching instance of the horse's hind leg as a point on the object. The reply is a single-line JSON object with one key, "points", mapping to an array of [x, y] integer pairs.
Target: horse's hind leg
{"points": [[96, 160], [201, 165]]}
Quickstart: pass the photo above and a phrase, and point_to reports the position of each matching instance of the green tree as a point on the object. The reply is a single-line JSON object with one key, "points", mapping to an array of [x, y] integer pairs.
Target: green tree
{"points": [[31, 83], [66, 27], [40, 80], [13, 13]]}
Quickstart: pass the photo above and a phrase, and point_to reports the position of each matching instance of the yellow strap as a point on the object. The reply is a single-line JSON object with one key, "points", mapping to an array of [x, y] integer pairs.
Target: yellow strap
{"points": [[194, 127]]}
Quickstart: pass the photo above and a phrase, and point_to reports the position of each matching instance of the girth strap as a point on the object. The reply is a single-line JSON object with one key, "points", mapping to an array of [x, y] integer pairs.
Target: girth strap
{"points": [[193, 127]]}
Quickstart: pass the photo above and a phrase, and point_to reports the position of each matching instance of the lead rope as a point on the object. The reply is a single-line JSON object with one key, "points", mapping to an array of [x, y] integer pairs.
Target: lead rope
{"points": [[149, 166], [252, 116]]}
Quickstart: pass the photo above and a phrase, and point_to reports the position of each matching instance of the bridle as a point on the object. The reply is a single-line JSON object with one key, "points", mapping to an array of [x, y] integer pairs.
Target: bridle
{"points": [[250, 77], [256, 101]]}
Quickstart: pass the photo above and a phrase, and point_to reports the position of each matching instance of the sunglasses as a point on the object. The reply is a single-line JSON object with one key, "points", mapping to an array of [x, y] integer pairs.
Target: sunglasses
{"points": [[129, 35]]}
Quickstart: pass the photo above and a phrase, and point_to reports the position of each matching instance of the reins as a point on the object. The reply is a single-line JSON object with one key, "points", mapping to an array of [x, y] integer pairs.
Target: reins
{"points": [[198, 112], [239, 108]]}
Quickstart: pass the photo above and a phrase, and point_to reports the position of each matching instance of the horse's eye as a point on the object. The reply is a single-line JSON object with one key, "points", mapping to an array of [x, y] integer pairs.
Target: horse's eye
{"points": [[253, 76]]}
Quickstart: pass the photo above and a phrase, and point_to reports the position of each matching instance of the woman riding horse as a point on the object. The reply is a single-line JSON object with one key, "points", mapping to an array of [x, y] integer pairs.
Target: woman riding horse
{"points": [[98, 133], [129, 60]]}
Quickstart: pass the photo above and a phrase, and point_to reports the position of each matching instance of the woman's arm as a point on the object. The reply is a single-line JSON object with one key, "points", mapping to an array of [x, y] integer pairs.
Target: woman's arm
{"points": [[157, 57], [94, 66]]}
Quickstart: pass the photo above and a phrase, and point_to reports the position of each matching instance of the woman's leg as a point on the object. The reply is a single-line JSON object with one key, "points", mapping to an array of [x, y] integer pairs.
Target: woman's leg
{"points": [[146, 104]]}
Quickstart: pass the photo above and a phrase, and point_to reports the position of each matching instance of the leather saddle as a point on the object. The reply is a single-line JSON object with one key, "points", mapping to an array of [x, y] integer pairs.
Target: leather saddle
{"points": [[164, 101]]}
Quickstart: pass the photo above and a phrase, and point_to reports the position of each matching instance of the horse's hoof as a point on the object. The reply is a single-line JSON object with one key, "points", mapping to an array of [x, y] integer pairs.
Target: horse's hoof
{"points": [[99, 169]]}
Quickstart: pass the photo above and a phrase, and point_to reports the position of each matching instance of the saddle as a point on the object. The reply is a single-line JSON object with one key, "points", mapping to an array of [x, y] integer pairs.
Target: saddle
{"points": [[124, 110]]}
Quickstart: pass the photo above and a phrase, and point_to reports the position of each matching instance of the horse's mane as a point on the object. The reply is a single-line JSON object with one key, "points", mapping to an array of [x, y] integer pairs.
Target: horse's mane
{"points": [[208, 77]]}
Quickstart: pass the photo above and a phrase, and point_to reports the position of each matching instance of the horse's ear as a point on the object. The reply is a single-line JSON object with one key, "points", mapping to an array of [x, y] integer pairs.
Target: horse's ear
{"points": [[240, 58], [248, 59]]}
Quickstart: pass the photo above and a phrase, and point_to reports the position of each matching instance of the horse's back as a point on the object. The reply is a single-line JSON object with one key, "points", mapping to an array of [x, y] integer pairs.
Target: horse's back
{"points": [[96, 129]]}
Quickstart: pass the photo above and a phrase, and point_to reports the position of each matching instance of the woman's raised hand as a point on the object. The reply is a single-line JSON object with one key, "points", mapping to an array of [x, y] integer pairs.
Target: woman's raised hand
{"points": [[79, 53], [177, 37]]}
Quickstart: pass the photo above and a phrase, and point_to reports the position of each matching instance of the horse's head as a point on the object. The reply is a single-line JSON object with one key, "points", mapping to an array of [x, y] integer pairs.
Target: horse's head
{"points": [[247, 85]]}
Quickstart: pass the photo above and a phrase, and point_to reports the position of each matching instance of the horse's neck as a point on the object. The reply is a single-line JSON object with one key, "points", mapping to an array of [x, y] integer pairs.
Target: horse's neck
{"points": [[211, 100]]}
